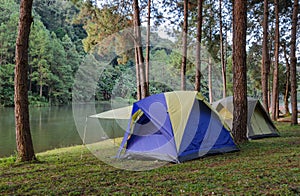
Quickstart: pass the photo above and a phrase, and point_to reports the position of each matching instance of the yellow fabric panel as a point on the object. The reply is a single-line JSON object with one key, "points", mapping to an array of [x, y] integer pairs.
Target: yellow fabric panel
{"points": [[259, 124], [226, 118], [179, 106], [225, 114], [135, 117], [200, 97]]}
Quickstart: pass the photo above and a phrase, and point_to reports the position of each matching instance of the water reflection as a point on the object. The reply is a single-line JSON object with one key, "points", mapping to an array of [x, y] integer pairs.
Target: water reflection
{"points": [[51, 127]]}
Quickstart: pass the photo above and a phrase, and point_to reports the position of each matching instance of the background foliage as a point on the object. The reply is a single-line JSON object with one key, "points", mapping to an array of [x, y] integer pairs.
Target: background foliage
{"points": [[64, 32]]}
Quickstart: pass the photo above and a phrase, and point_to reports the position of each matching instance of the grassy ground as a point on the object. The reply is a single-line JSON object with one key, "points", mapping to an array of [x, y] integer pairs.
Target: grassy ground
{"points": [[267, 166]]}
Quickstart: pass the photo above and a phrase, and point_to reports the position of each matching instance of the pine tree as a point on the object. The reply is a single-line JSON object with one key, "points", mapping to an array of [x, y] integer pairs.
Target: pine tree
{"points": [[184, 45], [275, 89], [144, 92], [23, 136], [198, 45], [239, 127], [265, 58], [294, 64]]}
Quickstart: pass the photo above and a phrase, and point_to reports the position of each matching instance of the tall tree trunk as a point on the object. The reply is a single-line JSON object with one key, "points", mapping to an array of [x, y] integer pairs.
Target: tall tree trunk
{"points": [[265, 58], [239, 127], [293, 59], [210, 86], [198, 46], [275, 91], [184, 45], [23, 135], [222, 50], [137, 75], [225, 54], [287, 82], [148, 44], [139, 50]]}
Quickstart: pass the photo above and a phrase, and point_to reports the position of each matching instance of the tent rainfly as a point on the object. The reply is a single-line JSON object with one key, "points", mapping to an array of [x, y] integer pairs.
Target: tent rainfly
{"points": [[114, 122], [259, 123], [174, 126], [119, 113]]}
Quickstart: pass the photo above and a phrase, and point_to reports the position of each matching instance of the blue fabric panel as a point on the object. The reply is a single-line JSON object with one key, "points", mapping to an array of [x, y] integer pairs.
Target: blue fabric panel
{"points": [[155, 142], [225, 139], [209, 133], [197, 126], [135, 108], [155, 108], [147, 137], [148, 101], [195, 129], [144, 127], [152, 132]]}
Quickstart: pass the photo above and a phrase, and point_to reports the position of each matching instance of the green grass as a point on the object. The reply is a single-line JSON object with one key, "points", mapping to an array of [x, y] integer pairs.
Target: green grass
{"points": [[269, 166]]}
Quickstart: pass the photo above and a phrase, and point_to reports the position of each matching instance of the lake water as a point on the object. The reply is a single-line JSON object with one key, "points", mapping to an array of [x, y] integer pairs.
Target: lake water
{"points": [[55, 127]]}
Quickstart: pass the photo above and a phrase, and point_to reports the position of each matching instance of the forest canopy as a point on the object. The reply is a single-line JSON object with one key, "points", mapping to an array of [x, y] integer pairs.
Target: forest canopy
{"points": [[65, 32]]}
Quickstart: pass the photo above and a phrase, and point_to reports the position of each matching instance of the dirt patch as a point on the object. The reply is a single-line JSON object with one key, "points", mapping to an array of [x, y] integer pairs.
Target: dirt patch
{"points": [[287, 119], [296, 142]]}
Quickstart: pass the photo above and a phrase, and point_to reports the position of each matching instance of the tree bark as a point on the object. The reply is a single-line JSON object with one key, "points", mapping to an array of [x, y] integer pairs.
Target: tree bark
{"points": [[148, 44], [275, 91], [210, 86], [210, 35], [225, 54], [184, 45], [137, 75], [265, 58], [293, 59], [139, 51], [222, 50], [198, 46], [23, 136], [287, 82], [239, 71]]}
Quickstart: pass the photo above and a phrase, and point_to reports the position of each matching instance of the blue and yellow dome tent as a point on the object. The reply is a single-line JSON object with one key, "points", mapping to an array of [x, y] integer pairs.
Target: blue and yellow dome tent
{"points": [[174, 126]]}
